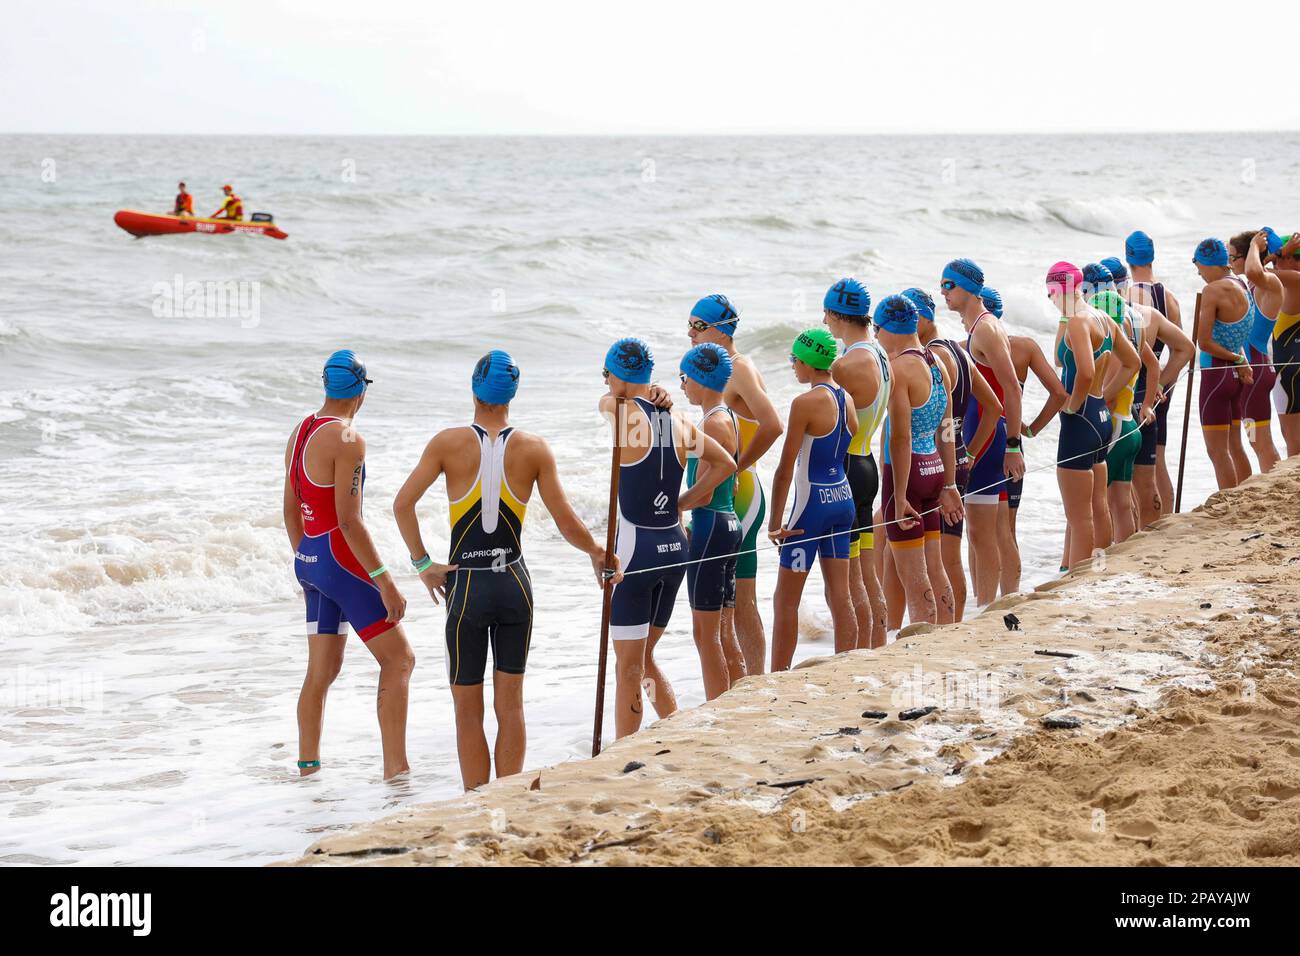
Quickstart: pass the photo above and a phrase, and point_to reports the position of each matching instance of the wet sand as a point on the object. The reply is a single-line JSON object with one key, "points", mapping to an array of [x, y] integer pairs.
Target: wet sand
{"points": [[1175, 656]]}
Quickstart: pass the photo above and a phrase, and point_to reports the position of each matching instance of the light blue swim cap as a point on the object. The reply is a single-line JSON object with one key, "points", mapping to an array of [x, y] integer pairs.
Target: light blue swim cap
{"points": [[848, 297], [496, 378], [923, 301], [344, 376], [1274, 241], [965, 274], [897, 314], [992, 300], [708, 365], [631, 360], [1211, 252], [1118, 271], [1096, 278], [718, 311], [1139, 250]]}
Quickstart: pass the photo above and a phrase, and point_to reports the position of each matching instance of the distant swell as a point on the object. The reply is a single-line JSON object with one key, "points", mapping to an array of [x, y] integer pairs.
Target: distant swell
{"points": [[768, 221], [1107, 216]]}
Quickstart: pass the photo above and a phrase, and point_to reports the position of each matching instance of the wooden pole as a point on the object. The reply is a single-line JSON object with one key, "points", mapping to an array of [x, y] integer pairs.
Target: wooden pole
{"points": [[1187, 408], [611, 542]]}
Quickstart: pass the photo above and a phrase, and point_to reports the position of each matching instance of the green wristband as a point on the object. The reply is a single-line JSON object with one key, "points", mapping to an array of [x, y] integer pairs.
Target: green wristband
{"points": [[422, 565], [382, 569]]}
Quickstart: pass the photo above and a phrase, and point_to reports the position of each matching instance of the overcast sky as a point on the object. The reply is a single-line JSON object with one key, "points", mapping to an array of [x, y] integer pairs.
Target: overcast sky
{"points": [[621, 66]]}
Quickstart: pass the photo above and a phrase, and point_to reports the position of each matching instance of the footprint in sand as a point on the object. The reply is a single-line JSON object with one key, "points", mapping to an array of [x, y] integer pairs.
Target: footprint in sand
{"points": [[1278, 791], [1111, 803], [969, 831], [1140, 829]]}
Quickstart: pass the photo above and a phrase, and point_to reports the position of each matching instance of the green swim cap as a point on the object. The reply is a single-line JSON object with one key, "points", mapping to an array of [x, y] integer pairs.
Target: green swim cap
{"points": [[815, 347], [1110, 302]]}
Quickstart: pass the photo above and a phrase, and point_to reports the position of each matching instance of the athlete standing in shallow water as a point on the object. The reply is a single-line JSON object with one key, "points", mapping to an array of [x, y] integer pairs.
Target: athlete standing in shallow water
{"points": [[652, 547], [1027, 357], [1001, 458], [1286, 342], [714, 530], [1147, 290], [336, 562], [714, 320], [1127, 441], [863, 371], [812, 460], [1265, 291], [1083, 347], [920, 479], [1222, 328], [491, 469], [1157, 332], [967, 384], [1008, 546]]}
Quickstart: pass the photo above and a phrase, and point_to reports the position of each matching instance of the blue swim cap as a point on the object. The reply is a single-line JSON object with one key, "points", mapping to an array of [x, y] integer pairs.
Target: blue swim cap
{"points": [[1139, 250], [923, 301], [718, 311], [1275, 242], [965, 274], [1211, 252], [496, 378], [848, 297], [1117, 270], [631, 360], [992, 300], [1096, 277], [897, 314], [709, 365], [344, 375]]}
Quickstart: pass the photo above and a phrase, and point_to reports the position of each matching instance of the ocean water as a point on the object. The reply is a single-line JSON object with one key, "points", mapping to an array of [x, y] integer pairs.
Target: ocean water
{"points": [[154, 642]]}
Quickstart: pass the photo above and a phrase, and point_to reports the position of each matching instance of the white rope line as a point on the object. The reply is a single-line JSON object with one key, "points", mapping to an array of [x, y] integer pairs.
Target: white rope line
{"points": [[1242, 365], [800, 539]]}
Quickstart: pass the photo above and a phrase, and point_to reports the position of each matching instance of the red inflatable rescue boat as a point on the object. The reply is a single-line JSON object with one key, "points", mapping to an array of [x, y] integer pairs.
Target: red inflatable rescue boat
{"points": [[156, 224]]}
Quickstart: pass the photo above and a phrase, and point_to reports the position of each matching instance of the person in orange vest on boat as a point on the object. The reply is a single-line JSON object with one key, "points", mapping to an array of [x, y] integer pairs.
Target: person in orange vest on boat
{"points": [[184, 202], [232, 208]]}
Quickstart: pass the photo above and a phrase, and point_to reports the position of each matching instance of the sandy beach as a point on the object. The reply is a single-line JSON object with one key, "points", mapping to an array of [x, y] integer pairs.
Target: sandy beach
{"points": [[1175, 657]]}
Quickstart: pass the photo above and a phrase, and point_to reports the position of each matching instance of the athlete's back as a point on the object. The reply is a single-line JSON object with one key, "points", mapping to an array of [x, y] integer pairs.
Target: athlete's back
{"points": [[858, 372], [742, 367], [823, 412], [460, 450]]}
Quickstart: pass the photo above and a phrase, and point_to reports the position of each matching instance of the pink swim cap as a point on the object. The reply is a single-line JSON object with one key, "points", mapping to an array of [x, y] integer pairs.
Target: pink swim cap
{"points": [[1064, 278]]}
